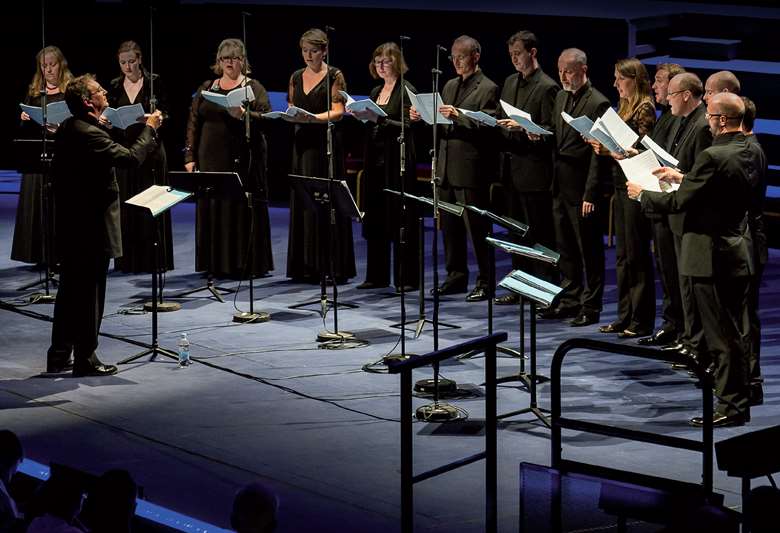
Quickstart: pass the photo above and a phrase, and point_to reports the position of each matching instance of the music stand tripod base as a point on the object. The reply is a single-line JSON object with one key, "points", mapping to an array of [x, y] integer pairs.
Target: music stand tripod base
{"points": [[246, 317], [162, 307], [437, 412], [42, 299]]}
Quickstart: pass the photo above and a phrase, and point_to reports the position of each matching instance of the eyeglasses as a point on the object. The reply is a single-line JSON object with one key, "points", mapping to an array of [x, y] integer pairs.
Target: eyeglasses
{"points": [[100, 90], [226, 59], [383, 63], [712, 115], [675, 92]]}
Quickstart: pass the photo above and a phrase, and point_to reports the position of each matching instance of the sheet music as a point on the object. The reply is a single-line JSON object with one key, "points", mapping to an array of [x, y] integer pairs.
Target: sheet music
{"points": [[292, 114], [479, 116], [423, 103], [664, 157], [538, 252], [582, 124], [56, 112], [158, 198], [599, 133], [531, 287], [524, 119], [639, 169], [362, 106], [234, 98], [623, 135], [124, 116]]}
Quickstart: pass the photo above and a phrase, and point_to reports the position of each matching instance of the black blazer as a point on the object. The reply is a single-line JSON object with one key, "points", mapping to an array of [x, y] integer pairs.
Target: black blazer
{"points": [[85, 187], [572, 178], [529, 163], [715, 195], [695, 137], [467, 155], [756, 211]]}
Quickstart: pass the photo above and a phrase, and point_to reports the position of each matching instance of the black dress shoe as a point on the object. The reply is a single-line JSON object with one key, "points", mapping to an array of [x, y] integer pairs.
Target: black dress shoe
{"points": [[719, 420], [614, 327], [370, 285], [507, 299], [631, 334], [451, 286], [584, 319], [405, 288], [673, 347], [756, 394], [558, 313], [97, 370], [480, 293], [659, 338], [58, 367]]}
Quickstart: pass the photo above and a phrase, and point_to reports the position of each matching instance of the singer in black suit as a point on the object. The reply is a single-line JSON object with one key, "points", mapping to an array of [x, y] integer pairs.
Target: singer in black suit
{"points": [[87, 222], [716, 250], [466, 166], [577, 191], [527, 167]]}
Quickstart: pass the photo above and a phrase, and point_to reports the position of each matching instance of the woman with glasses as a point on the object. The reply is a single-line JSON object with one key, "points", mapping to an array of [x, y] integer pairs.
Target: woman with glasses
{"points": [[307, 250], [216, 142], [52, 73], [633, 260], [383, 211], [134, 86]]}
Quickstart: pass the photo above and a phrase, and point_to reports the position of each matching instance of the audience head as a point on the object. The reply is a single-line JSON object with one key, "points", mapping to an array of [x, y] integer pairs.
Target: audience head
{"points": [[761, 509], [231, 59], [573, 69], [749, 120], [130, 60], [724, 113], [664, 72], [112, 502], [465, 55], [11, 454], [85, 96], [387, 60], [632, 84], [51, 66], [314, 47], [523, 50], [61, 496], [254, 510], [684, 93], [721, 82]]}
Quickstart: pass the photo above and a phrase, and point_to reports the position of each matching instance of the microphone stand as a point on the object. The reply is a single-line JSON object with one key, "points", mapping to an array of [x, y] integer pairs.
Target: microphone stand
{"points": [[250, 316], [336, 337], [45, 194], [437, 411]]}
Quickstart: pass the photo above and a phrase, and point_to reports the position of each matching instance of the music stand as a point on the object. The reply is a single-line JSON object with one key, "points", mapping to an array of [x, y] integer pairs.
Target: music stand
{"points": [[534, 290], [32, 158], [155, 200], [206, 185], [444, 206], [327, 199]]}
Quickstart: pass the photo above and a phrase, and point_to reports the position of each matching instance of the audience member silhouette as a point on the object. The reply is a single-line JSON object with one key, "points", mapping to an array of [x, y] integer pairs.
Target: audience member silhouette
{"points": [[254, 510], [11, 456], [761, 509], [60, 499], [111, 504]]}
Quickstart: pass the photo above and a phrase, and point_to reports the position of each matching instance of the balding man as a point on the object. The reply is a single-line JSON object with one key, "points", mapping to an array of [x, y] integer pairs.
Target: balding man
{"points": [[577, 193], [721, 82], [715, 196]]}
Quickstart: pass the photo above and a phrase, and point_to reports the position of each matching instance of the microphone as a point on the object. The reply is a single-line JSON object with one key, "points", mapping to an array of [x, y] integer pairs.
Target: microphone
{"points": [[440, 47], [246, 14], [404, 38]]}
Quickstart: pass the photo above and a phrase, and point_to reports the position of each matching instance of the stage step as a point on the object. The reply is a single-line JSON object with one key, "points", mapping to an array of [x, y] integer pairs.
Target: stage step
{"points": [[704, 48]]}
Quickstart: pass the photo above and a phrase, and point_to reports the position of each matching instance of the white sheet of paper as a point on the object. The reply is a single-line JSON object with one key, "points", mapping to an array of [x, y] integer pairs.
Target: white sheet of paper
{"points": [[624, 136], [423, 103], [582, 124], [56, 112], [599, 133], [234, 98], [663, 156], [363, 105], [639, 169], [524, 119], [158, 198], [479, 116], [124, 116]]}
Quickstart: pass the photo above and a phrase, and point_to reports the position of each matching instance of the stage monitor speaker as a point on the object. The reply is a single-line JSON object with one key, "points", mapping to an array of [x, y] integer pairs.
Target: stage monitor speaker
{"points": [[750, 455]]}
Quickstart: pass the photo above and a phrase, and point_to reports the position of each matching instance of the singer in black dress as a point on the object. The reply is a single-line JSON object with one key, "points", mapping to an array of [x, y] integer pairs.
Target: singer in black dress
{"points": [[307, 250], [216, 142], [138, 227], [382, 170], [27, 245]]}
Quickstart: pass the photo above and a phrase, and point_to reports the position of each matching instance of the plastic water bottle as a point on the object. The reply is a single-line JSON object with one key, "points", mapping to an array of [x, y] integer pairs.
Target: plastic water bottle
{"points": [[184, 351]]}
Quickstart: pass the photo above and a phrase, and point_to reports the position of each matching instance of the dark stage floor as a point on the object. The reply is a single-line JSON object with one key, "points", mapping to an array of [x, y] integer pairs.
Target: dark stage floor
{"points": [[262, 401]]}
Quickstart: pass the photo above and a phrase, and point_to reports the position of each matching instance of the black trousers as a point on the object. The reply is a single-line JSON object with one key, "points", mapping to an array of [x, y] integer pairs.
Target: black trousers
{"points": [[634, 265], [722, 306], [692, 332], [78, 310], [535, 209], [666, 263], [580, 242], [378, 259], [755, 322], [456, 228]]}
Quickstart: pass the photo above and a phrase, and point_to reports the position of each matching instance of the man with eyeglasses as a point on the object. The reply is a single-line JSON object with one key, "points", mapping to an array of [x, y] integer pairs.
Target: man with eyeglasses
{"points": [[87, 223], [715, 252], [526, 164], [466, 166]]}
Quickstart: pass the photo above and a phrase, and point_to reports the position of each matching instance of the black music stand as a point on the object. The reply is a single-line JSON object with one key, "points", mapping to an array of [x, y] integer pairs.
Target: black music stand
{"points": [[444, 206], [206, 185], [328, 199], [31, 159], [536, 291], [155, 200]]}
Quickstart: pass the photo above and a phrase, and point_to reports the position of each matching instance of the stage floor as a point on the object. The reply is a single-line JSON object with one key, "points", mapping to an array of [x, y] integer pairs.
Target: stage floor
{"points": [[263, 402]]}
